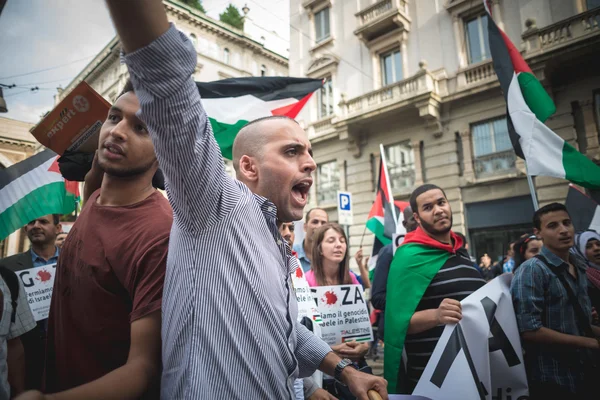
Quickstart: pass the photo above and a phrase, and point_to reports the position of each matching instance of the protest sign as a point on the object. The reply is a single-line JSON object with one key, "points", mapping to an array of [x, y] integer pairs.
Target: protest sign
{"points": [[480, 357], [74, 124], [344, 313], [38, 283]]}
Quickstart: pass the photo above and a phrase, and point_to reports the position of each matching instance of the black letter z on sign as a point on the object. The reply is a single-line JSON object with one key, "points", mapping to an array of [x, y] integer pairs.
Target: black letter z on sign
{"points": [[499, 341]]}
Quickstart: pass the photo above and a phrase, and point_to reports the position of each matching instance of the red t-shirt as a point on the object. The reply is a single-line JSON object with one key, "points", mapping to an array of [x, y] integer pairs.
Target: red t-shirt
{"points": [[110, 273]]}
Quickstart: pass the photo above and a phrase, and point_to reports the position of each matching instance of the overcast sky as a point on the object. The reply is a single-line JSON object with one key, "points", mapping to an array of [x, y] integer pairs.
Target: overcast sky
{"points": [[45, 43]]}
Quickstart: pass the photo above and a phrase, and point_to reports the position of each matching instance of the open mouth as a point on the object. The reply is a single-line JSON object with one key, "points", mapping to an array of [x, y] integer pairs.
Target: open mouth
{"points": [[300, 191], [113, 149]]}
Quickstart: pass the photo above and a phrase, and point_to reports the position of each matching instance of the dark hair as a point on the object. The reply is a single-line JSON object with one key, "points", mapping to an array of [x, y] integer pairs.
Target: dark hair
{"points": [[419, 191], [310, 211], [552, 207], [520, 248], [317, 257], [56, 218], [127, 88], [270, 117]]}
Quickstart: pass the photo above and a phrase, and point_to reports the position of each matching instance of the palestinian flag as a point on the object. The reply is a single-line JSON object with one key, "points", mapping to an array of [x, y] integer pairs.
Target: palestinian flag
{"points": [[381, 219], [529, 106], [584, 211], [416, 262], [32, 188], [232, 103]]}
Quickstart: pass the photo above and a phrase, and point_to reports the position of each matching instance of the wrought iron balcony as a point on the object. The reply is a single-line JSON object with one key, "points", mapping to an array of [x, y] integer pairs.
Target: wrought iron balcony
{"points": [[327, 192], [381, 18], [402, 177]]}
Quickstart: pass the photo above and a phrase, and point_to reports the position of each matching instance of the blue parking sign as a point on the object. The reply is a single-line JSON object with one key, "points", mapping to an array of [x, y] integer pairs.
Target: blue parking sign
{"points": [[345, 208]]}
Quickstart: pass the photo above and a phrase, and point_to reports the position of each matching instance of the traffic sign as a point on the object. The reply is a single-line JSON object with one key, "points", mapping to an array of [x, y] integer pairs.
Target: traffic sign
{"points": [[344, 202]]}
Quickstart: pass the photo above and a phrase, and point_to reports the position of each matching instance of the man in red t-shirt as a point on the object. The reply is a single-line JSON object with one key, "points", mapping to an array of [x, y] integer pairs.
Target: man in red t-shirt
{"points": [[105, 316]]}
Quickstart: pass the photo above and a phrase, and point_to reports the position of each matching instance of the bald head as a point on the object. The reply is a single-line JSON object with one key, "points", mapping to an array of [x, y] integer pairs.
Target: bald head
{"points": [[252, 138]]}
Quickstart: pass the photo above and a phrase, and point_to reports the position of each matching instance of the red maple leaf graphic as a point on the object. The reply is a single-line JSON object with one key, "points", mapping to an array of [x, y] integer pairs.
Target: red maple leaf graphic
{"points": [[43, 276], [330, 298], [298, 272]]}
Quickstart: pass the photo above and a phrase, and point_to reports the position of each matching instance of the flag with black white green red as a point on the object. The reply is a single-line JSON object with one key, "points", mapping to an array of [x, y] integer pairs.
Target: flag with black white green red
{"points": [[529, 106], [232, 103], [585, 212], [32, 188]]}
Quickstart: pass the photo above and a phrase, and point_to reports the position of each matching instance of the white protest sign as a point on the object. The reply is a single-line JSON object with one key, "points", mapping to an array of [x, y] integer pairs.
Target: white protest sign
{"points": [[344, 313], [38, 283], [480, 357]]}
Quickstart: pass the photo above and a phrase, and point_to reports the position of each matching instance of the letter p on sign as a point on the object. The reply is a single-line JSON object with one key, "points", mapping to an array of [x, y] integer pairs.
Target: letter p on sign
{"points": [[345, 216]]}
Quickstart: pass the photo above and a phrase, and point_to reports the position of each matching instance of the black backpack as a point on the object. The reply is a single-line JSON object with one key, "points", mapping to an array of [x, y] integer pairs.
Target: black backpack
{"points": [[12, 281]]}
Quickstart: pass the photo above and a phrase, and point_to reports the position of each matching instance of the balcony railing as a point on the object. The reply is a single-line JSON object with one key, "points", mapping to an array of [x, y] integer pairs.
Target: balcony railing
{"points": [[327, 191], [423, 82], [402, 177], [477, 74], [494, 164], [565, 32], [381, 17]]}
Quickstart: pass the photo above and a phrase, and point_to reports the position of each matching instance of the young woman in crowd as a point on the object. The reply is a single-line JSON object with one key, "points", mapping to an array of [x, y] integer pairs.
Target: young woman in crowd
{"points": [[587, 246], [330, 267], [525, 248]]}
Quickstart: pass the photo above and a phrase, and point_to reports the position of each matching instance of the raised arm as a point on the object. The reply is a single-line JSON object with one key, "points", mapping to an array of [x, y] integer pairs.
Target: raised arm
{"points": [[161, 61]]}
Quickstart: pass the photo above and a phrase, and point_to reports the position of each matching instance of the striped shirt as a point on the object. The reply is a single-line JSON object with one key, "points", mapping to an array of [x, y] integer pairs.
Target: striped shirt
{"points": [[229, 313], [457, 279]]}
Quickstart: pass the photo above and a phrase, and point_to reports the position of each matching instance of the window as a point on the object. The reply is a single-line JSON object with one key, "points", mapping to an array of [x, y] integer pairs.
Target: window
{"points": [[322, 25], [263, 70], [492, 150], [194, 40], [226, 55], [328, 182], [391, 67], [478, 46], [401, 165], [592, 4], [325, 99]]}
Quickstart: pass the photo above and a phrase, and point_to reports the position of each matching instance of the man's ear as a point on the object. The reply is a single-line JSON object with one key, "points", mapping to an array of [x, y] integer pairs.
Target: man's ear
{"points": [[248, 168], [416, 217], [58, 229]]}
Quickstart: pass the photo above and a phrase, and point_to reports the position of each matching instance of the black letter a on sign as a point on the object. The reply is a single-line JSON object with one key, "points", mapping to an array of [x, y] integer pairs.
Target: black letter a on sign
{"points": [[499, 341]]}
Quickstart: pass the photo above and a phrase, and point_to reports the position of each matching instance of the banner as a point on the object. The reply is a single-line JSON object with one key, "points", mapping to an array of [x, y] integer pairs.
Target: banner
{"points": [[38, 283], [479, 358], [344, 313]]}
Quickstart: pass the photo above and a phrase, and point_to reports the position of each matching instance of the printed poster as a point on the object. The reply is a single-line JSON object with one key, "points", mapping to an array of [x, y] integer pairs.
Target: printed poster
{"points": [[38, 283], [344, 314]]}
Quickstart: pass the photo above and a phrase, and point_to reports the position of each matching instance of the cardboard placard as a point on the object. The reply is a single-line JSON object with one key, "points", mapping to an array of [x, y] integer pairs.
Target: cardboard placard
{"points": [[74, 124], [38, 283]]}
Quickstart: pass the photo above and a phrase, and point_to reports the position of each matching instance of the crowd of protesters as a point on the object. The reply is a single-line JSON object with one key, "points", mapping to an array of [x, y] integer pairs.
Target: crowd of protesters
{"points": [[190, 297]]}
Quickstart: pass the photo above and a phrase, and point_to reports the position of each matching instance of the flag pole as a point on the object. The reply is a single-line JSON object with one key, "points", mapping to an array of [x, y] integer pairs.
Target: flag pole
{"points": [[363, 236], [388, 184], [532, 189]]}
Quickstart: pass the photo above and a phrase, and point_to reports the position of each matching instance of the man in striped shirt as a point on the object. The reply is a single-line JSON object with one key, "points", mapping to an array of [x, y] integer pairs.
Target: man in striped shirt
{"points": [[234, 335], [430, 274]]}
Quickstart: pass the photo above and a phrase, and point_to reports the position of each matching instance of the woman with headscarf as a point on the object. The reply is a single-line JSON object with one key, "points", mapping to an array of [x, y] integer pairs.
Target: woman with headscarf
{"points": [[587, 246]]}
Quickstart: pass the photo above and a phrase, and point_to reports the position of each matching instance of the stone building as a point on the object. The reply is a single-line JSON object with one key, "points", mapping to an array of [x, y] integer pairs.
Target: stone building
{"points": [[416, 77], [16, 144], [223, 52]]}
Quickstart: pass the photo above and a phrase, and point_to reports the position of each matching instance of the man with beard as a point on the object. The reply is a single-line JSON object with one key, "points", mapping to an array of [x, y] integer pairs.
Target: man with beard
{"points": [[42, 233], [315, 218], [430, 274], [236, 334], [105, 316]]}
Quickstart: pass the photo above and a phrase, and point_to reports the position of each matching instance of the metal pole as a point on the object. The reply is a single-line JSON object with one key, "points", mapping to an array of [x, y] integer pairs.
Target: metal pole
{"points": [[532, 189], [388, 184]]}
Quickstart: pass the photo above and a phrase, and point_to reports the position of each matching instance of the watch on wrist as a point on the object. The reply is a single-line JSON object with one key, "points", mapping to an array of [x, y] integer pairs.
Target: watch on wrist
{"points": [[340, 367]]}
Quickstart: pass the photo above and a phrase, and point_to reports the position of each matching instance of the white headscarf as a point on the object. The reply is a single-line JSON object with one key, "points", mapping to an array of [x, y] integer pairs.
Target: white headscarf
{"points": [[581, 241]]}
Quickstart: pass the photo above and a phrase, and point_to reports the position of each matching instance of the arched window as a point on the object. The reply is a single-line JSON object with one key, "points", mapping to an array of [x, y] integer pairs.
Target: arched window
{"points": [[263, 70], [226, 55]]}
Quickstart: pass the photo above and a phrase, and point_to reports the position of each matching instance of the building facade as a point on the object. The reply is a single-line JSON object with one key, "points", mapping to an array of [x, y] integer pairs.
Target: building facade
{"points": [[223, 52], [416, 77], [16, 144]]}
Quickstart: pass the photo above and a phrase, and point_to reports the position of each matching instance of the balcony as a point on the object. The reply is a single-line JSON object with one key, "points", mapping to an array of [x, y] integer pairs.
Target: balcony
{"points": [[420, 90], [321, 127], [381, 18], [496, 163], [476, 75], [567, 32]]}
